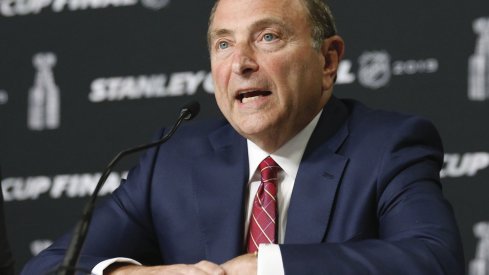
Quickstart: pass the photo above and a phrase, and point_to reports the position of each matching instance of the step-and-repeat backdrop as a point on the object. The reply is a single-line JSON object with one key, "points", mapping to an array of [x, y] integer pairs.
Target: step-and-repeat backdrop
{"points": [[81, 80]]}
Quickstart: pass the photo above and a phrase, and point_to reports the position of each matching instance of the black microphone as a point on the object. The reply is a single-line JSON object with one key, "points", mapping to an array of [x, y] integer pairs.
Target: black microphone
{"points": [[68, 266], [190, 110]]}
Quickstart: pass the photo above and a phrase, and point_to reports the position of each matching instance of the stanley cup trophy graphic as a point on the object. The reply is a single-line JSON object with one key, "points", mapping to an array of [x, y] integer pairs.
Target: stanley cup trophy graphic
{"points": [[43, 100], [480, 264], [479, 62]]}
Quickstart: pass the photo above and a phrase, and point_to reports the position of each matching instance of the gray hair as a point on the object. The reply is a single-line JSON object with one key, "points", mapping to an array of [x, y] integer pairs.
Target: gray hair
{"points": [[320, 17]]}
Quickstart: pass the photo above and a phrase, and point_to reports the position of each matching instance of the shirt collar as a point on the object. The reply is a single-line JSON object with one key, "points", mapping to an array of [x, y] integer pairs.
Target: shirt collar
{"points": [[289, 156]]}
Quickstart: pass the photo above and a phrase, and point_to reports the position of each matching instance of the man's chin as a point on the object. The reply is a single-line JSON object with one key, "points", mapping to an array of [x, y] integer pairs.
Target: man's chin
{"points": [[251, 131]]}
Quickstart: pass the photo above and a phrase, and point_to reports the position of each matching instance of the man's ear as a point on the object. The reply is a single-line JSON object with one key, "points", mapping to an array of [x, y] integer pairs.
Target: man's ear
{"points": [[332, 50]]}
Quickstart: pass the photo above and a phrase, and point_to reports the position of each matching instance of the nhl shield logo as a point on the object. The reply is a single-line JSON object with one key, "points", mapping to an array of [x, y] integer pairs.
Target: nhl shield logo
{"points": [[375, 70]]}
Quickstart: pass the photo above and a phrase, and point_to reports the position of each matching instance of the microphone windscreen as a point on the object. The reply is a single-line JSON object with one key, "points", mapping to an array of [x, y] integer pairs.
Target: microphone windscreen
{"points": [[190, 110]]}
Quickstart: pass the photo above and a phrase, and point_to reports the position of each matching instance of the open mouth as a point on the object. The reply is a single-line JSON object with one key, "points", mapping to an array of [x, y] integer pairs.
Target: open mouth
{"points": [[251, 95]]}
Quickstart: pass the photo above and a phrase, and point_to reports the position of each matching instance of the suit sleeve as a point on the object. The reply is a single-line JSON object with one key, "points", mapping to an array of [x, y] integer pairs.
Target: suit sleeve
{"points": [[121, 227], [417, 233]]}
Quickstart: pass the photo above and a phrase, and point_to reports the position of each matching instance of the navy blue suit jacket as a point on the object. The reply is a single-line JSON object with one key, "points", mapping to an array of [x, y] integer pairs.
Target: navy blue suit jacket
{"points": [[367, 200]]}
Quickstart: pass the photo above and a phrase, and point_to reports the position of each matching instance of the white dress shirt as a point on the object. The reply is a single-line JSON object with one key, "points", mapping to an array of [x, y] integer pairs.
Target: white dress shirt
{"points": [[288, 157]]}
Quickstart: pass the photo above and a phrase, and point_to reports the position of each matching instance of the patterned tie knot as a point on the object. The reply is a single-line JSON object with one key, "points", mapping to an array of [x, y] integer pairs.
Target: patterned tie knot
{"points": [[267, 191], [268, 169]]}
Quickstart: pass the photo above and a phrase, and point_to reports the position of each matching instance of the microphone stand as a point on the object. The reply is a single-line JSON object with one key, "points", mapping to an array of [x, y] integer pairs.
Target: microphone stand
{"points": [[68, 266]]}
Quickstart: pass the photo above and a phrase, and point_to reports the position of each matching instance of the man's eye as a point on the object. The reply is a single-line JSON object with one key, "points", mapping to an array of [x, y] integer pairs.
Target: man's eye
{"points": [[269, 37], [223, 45]]}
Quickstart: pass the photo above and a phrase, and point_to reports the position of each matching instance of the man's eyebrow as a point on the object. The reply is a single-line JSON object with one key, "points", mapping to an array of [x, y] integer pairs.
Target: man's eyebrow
{"points": [[218, 33], [265, 22], [256, 25]]}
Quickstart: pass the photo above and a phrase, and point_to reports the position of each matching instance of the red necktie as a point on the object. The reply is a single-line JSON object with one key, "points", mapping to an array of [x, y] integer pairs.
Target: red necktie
{"points": [[263, 226]]}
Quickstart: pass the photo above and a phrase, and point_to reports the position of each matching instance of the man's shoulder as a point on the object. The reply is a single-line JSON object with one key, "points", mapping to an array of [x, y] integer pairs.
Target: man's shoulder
{"points": [[195, 136], [367, 119], [376, 129], [196, 128], [204, 127]]}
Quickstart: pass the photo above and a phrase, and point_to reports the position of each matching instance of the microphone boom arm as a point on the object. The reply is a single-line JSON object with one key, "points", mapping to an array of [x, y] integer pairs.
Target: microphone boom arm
{"points": [[70, 260]]}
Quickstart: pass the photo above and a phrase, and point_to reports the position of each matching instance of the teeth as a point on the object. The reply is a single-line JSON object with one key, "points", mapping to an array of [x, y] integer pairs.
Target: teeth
{"points": [[249, 99], [252, 95]]}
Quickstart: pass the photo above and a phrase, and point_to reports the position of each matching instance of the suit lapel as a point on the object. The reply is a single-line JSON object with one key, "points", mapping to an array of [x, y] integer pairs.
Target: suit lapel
{"points": [[219, 178], [318, 178]]}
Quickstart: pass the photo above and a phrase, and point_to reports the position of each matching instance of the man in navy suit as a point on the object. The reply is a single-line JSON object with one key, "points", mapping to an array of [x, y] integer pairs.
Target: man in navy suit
{"points": [[358, 190]]}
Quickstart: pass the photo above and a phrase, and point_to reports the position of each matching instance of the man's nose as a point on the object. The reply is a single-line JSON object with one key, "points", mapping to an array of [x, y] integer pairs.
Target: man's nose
{"points": [[244, 60]]}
